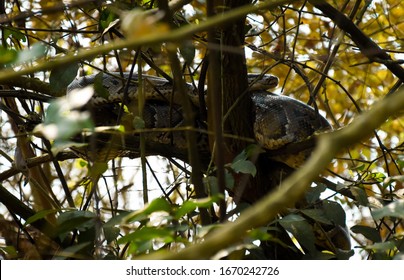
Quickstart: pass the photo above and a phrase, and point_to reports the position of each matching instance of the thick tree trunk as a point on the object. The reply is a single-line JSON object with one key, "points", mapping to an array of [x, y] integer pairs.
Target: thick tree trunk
{"points": [[228, 69], [227, 87]]}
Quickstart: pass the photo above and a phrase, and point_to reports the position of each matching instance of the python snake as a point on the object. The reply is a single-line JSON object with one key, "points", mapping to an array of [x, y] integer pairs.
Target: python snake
{"points": [[279, 120]]}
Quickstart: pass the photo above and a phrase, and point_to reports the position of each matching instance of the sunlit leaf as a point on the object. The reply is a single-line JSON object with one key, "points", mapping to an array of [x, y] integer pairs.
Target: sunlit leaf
{"points": [[156, 205], [98, 168], [62, 121], [381, 246], [394, 209], [136, 23], [40, 215], [148, 233], [77, 98], [190, 205], [301, 230], [7, 56], [10, 251], [260, 234], [36, 51]]}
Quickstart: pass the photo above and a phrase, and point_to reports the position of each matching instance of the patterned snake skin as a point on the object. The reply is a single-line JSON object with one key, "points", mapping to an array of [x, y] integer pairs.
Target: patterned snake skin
{"points": [[279, 120]]}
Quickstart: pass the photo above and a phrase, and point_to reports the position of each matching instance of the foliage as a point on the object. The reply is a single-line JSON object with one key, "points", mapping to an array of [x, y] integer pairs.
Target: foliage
{"points": [[88, 203]]}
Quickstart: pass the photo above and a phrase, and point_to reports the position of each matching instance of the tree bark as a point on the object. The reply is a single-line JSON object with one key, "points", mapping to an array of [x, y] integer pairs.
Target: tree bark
{"points": [[227, 87]]}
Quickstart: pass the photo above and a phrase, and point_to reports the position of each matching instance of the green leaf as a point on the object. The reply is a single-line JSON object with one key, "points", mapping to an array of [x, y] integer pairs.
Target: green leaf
{"points": [[98, 168], [99, 86], [247, 28], [75, 220], [82, 162], [378, 176], [381, 246], [72, 251], [156, 205], [10, 251], [36, 51], [241, 156], [61, 121], [359, 167], [360, 195], [259, 234], [187, 50], [148, 233], [40, 215], [317, 215], [400, 161], [229, 178], [244, 166], [107, 19], [10, 32], [61, 77], [369, 232], [68, 127], [334, 212], [111, 233], [118, 219], [76, 99], [53, 112], [7, 56], [301, 230], [190, 205], [253, 150], [140, 247], [314, 193], [211, 183], [394, 209], [138, 123]]}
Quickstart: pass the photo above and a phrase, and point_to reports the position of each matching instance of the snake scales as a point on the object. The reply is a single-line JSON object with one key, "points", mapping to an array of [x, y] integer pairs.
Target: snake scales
{"points": [[279, 120]]}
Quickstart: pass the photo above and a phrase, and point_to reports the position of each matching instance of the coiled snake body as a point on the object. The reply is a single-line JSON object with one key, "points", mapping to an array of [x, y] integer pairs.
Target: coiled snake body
{"points": [[279, 120]]}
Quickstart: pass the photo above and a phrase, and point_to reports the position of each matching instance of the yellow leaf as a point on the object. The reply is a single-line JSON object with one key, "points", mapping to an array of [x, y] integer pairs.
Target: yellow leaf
{"points": [[136, 24]]}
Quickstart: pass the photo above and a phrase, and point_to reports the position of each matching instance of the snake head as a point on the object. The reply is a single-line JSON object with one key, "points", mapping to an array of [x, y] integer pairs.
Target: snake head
{"points": [[262, 81]]}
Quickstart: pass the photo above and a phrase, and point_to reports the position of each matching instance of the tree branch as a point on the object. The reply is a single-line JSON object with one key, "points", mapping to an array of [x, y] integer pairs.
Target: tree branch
{"points": [[15, 206], [368, 48], [149, 39]]}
